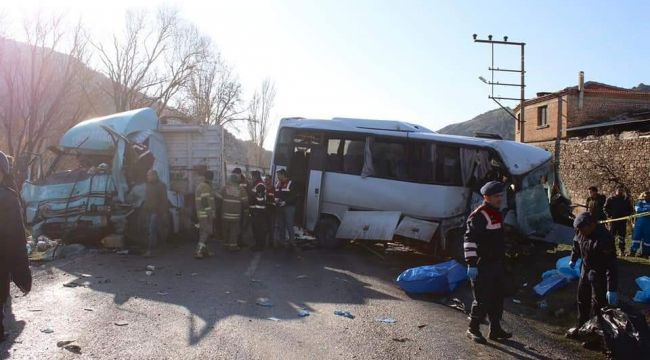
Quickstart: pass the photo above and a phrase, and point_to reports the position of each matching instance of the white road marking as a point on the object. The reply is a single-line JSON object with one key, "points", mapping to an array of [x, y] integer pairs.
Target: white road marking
{"points": [[253, 266]]}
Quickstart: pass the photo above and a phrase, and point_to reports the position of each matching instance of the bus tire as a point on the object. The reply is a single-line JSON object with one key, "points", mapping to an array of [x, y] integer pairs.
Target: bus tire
{"points": [[325, 232]]}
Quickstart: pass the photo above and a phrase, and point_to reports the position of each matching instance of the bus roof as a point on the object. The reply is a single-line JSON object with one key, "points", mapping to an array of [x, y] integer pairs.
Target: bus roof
{"points": [[518, 157]]}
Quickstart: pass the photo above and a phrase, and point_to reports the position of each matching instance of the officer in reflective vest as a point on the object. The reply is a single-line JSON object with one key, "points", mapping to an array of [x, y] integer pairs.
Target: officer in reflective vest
{"points": [[485, 255], [205, 212], [285, 200], [257, 201], [234, 201]]}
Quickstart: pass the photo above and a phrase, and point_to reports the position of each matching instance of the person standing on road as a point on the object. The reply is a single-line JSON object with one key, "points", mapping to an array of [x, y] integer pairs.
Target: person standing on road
{"points": [[616, 207], [257, 201], [599, 275], [270, 210], [596, 204], [485, 255], [243, 219], [14, 264], [205, 212], [234, 200], [285, 200], [156, 209], [641, 233]]}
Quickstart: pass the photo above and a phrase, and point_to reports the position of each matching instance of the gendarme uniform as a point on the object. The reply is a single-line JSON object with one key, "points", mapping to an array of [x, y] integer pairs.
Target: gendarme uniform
{"points": [[205, 212], [235, 200], [485, 251]]}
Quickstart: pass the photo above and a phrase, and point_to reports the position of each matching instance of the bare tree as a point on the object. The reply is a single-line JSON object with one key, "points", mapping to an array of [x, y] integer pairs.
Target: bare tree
{"points": [[213, 93], [40, 86], [151, 61], [259, 115]]}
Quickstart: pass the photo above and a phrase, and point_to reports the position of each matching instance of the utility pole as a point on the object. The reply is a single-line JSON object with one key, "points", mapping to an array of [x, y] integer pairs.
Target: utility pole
{"points": [[522, 85]]}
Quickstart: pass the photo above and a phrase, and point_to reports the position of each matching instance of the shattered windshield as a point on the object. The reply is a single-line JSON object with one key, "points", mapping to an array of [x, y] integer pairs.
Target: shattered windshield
{"points": [[532, 202]]}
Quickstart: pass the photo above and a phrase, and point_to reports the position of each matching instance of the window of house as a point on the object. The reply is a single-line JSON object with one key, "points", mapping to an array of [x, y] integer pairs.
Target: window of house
{"points": [[542, 119]]}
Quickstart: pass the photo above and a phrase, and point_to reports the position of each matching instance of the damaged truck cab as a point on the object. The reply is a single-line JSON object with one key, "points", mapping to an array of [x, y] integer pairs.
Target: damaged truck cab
{"points": [[380, 180], [96, 178]]}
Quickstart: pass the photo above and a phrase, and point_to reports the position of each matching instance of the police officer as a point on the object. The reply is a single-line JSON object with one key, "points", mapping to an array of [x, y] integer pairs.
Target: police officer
{"points": [[205, 212], [257, 201], [234, 202], [599, 278], [616, 207], [485, 254]]}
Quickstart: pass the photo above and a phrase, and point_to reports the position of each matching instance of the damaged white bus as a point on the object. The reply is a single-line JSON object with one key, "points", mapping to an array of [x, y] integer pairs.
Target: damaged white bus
{"points": [[379, 180]]}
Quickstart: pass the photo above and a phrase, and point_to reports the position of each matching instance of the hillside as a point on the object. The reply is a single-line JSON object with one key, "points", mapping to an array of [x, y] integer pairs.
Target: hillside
{"points": [[496, 121]]}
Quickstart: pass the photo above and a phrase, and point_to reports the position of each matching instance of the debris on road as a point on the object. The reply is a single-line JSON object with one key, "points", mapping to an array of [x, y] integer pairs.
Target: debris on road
{"points": [[303, 313], [121, 323], [75, 349], [440, 278], [266, 302], [342, 313], [150, 268], [88, 309], [64, 343], [47, 331], [422, 326], [273, 318], [386, 320], [163, 293], [301, 277], [35, 310], [148, 272], [516, 301], [402, 340]]}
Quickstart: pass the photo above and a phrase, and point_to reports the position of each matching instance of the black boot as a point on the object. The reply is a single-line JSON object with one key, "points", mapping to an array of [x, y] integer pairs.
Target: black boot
{"points": [[497, 333], [474, 332]]}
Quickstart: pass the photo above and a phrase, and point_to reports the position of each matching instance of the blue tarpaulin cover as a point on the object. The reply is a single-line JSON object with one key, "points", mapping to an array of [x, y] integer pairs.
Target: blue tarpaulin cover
{"points": [[558, 277], [440, 278], [643, 295]]}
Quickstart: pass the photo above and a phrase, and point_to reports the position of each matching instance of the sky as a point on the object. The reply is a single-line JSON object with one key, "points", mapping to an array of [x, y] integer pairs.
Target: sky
{"points": [[400, 60]]}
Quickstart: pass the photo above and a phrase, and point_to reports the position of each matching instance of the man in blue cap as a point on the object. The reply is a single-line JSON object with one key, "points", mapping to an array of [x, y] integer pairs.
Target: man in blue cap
{"points": [[599, 275], [485, 255]]}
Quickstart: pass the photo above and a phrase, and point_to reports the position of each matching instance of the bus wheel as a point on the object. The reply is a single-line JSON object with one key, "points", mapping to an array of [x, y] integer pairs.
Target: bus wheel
{"points": [[326, 229]]}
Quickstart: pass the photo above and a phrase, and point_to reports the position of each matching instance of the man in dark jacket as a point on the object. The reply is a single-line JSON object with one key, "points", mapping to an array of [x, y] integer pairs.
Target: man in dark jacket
{"points": [[14, 265], [485, 254], [616, 207], [156, 208], [257, 202], [599, 275], [286, 195], [596, 204]]}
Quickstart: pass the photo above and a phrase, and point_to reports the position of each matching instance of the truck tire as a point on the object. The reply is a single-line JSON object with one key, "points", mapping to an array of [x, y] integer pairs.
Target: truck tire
{"points": [[325, 232]]}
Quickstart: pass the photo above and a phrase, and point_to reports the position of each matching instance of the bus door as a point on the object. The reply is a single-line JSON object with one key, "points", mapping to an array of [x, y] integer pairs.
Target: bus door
{"points": [[317, 163]]}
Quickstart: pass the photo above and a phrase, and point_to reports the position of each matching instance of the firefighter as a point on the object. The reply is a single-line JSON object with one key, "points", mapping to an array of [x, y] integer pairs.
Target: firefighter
{"points": [[641, 233], [205, 212], [596, 203], [243, 219], [257, 201], [485, 254], [599, 276], [285, 200], [234, 202], [14, 265], [616, 207]]}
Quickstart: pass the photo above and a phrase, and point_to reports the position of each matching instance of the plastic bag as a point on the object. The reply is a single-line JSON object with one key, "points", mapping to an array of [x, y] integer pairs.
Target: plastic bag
{"points": [[623, 332], [643, 295], [562, 265], [550, 283], [441, 278]]}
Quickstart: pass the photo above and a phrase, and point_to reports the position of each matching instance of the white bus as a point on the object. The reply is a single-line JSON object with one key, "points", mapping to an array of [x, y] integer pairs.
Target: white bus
{"points": [[377, 180]]}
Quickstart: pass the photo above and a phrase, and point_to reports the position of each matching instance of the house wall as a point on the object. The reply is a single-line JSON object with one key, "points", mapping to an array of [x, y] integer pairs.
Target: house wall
{"points": [[603, 162]]}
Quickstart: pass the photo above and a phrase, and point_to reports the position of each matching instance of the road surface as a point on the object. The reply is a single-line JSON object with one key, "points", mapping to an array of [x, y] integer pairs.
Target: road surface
{"points": [[206, 309]]}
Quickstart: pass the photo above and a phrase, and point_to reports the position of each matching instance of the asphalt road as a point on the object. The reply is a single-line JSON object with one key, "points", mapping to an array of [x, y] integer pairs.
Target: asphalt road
{"points": [[191, 309]]}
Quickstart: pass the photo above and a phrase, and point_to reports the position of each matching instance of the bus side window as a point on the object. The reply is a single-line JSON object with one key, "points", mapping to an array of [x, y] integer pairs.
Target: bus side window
{"points": [[448, 165]]}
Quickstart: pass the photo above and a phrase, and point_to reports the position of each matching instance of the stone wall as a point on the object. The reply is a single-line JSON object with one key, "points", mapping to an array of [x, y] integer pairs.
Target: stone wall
{"points": [[604, 162]]}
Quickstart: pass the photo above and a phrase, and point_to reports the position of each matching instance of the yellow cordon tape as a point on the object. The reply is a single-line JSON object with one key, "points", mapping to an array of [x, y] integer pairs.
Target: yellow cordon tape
{"points": [[626, 218]]}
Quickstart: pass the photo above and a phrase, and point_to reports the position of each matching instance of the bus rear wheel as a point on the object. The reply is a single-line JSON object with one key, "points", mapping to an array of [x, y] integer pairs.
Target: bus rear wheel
{"points": [[325, 232]]}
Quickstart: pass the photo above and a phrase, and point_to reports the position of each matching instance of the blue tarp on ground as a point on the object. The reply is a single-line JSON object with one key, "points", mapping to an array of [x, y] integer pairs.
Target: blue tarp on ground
{"points": [[643, 295], [558, 277], [440, 278]]}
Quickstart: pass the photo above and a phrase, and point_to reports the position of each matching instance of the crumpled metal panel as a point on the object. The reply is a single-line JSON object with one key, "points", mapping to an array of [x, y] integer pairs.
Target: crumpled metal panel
{"points": [[369, 225]]}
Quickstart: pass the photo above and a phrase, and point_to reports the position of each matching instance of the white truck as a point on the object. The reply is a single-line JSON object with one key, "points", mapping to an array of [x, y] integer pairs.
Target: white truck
{"points": [[95, 183]]}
